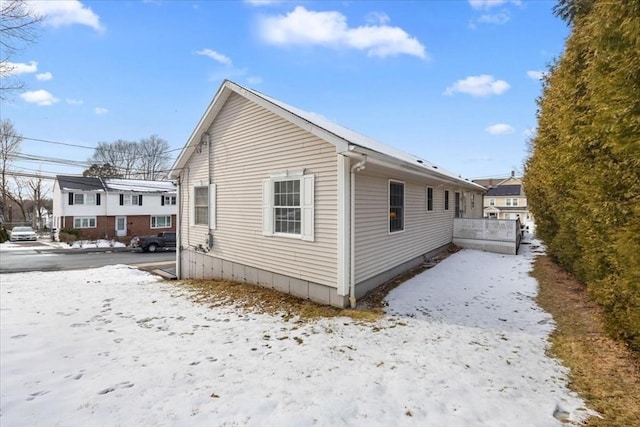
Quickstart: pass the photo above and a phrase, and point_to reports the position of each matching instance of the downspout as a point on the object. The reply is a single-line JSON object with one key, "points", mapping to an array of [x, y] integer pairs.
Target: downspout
{"points": [[352, 229], [178, 233], [211, 205]]}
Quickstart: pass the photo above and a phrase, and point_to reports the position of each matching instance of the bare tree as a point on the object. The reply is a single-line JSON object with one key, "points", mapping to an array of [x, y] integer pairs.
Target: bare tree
{"points": [[19, 195], [121, 154], [10, 142], [154, 157], [18, 26], [147, 159], [38, 194]]}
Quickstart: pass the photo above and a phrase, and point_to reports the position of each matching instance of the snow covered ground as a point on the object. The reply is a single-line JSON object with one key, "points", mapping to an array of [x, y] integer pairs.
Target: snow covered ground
{"points": [[47, 244], [463, 344]]}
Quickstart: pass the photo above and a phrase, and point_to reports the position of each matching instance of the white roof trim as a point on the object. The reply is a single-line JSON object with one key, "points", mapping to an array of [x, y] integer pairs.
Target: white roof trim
{"points": [[342, 138]]}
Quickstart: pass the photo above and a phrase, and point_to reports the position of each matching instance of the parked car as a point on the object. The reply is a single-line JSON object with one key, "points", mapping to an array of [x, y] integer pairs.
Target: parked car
{"points": [[23, 233], [163, 240]]}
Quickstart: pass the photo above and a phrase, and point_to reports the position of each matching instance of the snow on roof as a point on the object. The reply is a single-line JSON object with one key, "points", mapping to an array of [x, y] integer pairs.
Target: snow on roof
{"points": [[361, 140], [139, 185]]}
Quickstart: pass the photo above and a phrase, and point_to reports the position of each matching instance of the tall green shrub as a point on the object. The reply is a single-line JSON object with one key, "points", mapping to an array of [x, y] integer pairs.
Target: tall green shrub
{"points": [[583, 177]]}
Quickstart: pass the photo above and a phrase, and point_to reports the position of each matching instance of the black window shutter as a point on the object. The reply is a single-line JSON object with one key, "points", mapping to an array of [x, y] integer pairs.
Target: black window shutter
{"points": [[121, 199], [98, 199], [140, 200], [161, 200], [70, 198]]}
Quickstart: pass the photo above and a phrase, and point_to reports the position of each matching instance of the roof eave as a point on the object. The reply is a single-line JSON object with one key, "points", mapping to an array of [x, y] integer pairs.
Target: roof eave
{"points": [[423, 171]]}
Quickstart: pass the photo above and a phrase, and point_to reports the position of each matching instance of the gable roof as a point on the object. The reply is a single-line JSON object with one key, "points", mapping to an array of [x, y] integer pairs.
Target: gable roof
{"points": [[504, 190], [344, 139], [90, 183]]}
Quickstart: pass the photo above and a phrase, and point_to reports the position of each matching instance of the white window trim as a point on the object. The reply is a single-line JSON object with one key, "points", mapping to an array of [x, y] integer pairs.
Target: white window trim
{"points": [[159, 216], [194, 206], [404, 206], [307, 209], [88, 218], [492, 201]]}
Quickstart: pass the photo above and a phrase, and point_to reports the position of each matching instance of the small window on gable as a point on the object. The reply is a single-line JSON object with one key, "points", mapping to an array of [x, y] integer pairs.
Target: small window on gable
{"points": [[429, 198], [396, 206]]}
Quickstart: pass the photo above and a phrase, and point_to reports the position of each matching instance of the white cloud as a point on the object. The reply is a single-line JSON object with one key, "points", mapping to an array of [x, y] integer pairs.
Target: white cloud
{"points": [[44, 76], [215, 56], [500, 129], [72, 101], [330, 29], [100, 111], [15, 68], [495, 18], [482, 85], [535, 74], [488, 4], [39, 97], [262, 2], [61, 13], [380, 18]]}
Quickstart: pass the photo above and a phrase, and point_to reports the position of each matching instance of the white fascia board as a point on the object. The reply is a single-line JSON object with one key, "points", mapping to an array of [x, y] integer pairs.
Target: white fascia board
{"points": [[376, 158]]}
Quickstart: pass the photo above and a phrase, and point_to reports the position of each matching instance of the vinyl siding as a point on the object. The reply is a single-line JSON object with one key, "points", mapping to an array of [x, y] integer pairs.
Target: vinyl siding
{"points": [[249, 142], [377, 250]]}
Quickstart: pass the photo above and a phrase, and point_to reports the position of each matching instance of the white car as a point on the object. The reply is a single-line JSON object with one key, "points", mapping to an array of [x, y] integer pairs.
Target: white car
{"points": [[23, 233]]}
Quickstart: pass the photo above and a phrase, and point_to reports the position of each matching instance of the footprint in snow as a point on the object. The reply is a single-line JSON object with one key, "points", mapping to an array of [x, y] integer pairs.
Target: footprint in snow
{"points": [[36, 394], [125, 384]]}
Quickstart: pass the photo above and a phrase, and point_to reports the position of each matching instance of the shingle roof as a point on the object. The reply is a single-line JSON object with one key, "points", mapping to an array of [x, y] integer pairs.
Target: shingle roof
{"points": [[80, 183], [504, 190]]}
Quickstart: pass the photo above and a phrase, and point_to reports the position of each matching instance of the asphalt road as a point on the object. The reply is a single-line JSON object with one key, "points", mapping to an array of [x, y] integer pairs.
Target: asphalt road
{"points": [[15, 261]]}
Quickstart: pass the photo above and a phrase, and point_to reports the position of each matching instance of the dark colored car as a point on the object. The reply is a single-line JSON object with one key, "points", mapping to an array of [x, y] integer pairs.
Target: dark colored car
{"points": [[162, 240]]}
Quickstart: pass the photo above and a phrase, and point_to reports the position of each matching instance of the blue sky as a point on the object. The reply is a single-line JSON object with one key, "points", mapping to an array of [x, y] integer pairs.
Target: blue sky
{"points": [[454, 82]]}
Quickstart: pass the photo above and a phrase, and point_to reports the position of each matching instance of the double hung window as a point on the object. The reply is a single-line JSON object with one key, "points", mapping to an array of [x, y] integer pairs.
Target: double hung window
{"points": [[288, 205], [396, 206]]}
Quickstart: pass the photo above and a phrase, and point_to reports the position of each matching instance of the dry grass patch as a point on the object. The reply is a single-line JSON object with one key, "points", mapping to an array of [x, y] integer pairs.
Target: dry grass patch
{"points": [[603, 371], [258, 299]]}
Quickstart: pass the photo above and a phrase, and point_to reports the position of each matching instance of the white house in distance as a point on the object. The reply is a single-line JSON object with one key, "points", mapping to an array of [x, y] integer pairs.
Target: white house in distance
{"points": [[279, 197], [111, 207], [505, 199]]}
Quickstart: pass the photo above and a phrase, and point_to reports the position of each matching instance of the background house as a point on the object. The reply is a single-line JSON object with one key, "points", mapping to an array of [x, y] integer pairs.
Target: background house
{"points": [[110, 207], [272, 195], [505, 199]]}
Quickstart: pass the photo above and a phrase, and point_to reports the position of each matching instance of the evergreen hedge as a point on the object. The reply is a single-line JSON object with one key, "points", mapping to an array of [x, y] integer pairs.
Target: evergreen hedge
{"points": [[583, 177]]}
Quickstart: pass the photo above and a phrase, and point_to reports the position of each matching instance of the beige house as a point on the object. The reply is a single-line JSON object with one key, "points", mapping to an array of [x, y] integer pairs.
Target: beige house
{"points": [[272, 195], [505, 199]]}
